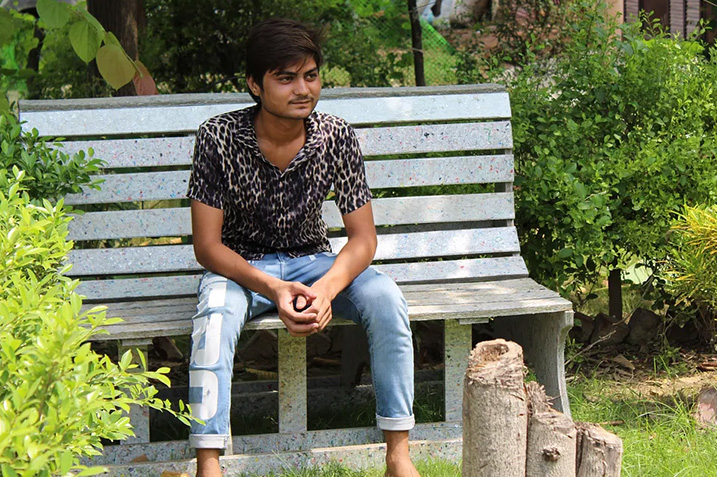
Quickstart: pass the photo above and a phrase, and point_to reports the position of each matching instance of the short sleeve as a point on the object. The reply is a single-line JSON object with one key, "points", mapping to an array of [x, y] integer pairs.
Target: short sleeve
{"points": [[350, 185], [206, 182]]}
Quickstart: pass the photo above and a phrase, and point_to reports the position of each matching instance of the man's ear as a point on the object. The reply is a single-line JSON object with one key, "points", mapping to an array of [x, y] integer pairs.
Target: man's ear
{"points": [[253, 85]]}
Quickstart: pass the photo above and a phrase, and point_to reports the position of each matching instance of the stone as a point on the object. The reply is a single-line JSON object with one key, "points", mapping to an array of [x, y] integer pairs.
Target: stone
{"points": [[582, 332], [644, 326], [706, 408], [263, 346], [167, 349], [608, 331]]}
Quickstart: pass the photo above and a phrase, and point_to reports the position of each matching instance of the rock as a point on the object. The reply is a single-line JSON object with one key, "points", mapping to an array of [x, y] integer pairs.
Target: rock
{"points": [[623, 361], [169, 473], [317, 344], [581, 333], [644, 326], [608, 331], [706, 409], [262, 346], [141, 458], [166, 348], [683, 335]]}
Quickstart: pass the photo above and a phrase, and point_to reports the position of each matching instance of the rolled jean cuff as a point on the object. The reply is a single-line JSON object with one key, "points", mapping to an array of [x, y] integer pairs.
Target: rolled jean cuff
{"points": [[395, 423], [208, 441]]}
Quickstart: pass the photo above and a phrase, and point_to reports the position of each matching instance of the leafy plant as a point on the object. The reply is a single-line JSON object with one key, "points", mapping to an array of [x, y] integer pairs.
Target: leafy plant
{"points": [[611, 137], [691, 270], [58, 399], [49, 172]]}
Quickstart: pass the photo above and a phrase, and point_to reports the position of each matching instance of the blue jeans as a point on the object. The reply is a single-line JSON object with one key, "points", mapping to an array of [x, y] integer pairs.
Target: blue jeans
{"points": [[372, 300]]}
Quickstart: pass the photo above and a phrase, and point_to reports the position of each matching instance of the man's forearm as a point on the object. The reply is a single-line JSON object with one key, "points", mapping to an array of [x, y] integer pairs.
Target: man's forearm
{"points": [[353, 259], [220, 259]]}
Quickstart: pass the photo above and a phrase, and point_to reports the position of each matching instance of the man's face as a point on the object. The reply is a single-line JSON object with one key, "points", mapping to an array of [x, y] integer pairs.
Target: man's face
{"points": [[291, 92]]}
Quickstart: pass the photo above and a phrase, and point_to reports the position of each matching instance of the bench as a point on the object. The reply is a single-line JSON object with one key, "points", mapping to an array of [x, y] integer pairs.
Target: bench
{"points": [[453, 249]]}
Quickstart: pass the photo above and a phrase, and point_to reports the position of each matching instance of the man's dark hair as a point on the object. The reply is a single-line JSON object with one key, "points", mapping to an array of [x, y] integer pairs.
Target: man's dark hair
{"points": [[277, 43]]}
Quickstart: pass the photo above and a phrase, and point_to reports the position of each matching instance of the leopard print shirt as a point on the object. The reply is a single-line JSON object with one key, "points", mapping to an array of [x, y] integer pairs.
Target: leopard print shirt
{"points": [[266, 210]]}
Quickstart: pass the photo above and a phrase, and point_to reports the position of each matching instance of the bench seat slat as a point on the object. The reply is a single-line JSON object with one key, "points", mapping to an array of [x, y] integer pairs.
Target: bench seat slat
{"points": [[186, 285], [109, 117], [389, 211], [486, 300], [167, 185], [179, 258], [447, 296]]}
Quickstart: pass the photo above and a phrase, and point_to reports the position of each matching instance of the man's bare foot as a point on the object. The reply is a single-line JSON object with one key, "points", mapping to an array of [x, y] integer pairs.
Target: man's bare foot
{"points": [[401, 468], [398, 462]]}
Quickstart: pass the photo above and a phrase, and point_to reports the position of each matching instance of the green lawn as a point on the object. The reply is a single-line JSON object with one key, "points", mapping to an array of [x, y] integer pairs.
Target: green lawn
{"points": [[659, 434]]}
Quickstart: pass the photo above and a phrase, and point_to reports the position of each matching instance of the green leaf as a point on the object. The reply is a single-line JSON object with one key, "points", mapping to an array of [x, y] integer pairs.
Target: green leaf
{"points": [[565, 253], [7, 26], [66, 462], [53, 13], [93, 22], [114, 66], [4, 104], [85, 40]]}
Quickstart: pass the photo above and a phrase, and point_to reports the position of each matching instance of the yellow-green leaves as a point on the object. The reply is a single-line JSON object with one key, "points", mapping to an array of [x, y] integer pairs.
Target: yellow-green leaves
{"points": [[53, 13], [85, 40], [7, 26], [114, 66], [87, 37]]}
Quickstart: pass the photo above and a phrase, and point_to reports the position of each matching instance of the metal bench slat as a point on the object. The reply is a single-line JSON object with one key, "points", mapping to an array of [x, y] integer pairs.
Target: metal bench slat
{"points": [[388, 211], [434, 272], [169, 185], [106, 117]]}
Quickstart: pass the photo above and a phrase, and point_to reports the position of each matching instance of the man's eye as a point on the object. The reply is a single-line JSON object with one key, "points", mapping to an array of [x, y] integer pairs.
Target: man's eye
{"points": [[285, 79], [312, 76]]}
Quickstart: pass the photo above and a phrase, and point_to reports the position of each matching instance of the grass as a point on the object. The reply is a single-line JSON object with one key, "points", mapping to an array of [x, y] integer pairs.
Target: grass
{"points": [[660, 436]]}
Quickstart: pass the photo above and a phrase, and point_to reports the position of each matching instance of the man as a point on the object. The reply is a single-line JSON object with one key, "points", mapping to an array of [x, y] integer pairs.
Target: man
{"points": [[259, 178]]}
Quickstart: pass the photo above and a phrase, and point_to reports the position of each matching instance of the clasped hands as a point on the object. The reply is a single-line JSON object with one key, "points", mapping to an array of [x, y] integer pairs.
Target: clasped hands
{"points": [[304, 310]]}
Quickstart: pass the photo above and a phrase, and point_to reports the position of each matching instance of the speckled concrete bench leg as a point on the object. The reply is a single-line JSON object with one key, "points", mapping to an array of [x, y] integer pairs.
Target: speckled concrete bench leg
{"points": [[543, 340]]}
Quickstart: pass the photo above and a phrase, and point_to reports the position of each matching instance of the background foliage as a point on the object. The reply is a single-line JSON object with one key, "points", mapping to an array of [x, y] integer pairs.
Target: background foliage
{"points": [[612, 136]]}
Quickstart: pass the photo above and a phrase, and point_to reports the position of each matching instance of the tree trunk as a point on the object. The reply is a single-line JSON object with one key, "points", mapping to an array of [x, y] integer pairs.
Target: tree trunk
{"points": [[551, 448], [416, 44], [599, 452], [495, 413], [124, 18], [614, 288]]}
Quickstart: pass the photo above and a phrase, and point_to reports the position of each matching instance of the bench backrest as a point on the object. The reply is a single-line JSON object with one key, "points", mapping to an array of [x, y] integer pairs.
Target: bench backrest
{"points": [[456, 137]]}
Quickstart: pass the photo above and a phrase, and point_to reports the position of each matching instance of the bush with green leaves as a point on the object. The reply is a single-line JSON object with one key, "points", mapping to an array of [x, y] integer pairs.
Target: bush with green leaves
{"points": [[691, 269], [50, 173], [58, 398], [611, 137]]}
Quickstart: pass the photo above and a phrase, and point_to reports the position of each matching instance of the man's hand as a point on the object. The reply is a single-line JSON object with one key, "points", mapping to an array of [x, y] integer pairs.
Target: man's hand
{"points": [[320, 306], [297, 323]]}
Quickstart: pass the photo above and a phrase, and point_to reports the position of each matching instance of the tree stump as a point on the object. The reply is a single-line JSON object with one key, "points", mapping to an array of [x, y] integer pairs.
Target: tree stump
{"points": [[599, 452], [551, 446], [511, 430], [495, 413]]}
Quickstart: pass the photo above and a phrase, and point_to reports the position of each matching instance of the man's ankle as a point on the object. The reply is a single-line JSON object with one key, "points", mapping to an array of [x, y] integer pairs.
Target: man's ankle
{"points": [[208, 463]]}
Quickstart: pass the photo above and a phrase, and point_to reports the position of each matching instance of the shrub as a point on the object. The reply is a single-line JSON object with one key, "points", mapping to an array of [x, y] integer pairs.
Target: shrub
{"points": [[691, 270], [50, 173], [611, 137], [58, 398]]}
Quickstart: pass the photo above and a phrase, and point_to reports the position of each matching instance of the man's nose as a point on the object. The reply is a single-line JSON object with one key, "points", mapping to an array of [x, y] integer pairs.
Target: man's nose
{"points": [[300, 87]]}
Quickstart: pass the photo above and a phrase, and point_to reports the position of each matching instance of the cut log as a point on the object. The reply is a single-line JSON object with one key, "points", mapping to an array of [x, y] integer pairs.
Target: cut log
{"points": [[552, 436], [495, 411], [599, 452]]}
